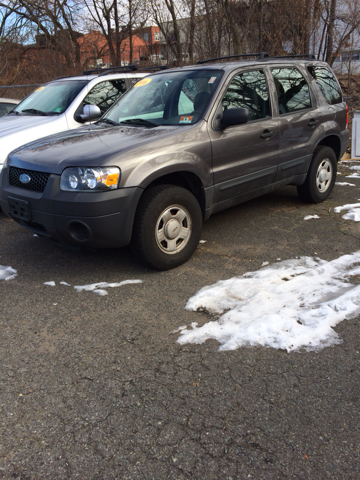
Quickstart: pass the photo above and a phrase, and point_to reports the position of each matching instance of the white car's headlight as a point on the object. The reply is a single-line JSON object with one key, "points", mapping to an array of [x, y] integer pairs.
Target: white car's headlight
{"points": [[77, 179]]}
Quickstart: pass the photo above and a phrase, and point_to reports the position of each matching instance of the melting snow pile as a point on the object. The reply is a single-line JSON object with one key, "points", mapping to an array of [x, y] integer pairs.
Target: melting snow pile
{"points": [[7, 273], [291, 305], [353, 211], [309, 217]]}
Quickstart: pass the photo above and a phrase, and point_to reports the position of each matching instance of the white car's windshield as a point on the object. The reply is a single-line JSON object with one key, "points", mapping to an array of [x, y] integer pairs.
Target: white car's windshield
{"points": [[173, 98], [51, 99]]}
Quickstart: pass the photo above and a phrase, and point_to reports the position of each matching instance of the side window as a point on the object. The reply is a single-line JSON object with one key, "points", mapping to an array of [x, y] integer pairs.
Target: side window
{"points": [[328, 84], [104, 94], [292, 90], [249, 90]]}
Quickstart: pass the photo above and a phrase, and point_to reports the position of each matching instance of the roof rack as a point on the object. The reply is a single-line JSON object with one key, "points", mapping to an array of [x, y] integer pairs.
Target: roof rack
{"points": [[155, 67], [306, 56], [259, 55], [105, 71]]}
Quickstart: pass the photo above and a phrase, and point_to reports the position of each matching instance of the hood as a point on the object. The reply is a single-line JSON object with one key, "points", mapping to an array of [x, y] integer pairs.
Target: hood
{"points": [[11, 124], [90, 146]]}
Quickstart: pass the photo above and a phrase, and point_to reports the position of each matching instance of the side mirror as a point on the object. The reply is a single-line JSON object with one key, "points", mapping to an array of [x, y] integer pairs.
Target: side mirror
{"points": [[91, 112], [234, 116]]}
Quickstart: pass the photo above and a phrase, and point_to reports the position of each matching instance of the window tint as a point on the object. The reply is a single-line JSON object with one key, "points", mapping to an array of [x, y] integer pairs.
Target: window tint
{"points": [[248, 90], [292, 90], [328, 84], [104, 94]]}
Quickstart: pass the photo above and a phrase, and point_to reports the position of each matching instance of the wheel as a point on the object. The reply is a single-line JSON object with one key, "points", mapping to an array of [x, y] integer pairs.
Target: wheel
{"points": [[167, 227], [321, 176]]}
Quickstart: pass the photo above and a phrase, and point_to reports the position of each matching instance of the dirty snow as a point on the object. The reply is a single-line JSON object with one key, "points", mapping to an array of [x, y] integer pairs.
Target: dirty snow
{"points": [[345, 183], [353, 211], [7, 273], [291, 305], [309, 217]]}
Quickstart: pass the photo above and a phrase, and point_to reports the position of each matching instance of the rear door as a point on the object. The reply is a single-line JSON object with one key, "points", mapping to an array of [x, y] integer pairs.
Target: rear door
{"points": [[245, 156], [299, 115]]}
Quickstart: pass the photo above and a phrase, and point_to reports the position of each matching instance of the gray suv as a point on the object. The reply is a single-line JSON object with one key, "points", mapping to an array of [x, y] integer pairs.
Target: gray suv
{"points": [[180, 145]]}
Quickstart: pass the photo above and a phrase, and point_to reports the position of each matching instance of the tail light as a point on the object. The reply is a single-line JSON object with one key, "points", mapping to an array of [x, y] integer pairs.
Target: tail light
{"points": [[347, 117]]}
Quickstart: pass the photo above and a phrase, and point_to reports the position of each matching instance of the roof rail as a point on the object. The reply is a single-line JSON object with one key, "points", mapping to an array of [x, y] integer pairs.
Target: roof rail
{"points": [[155, 67], [259, 55], [105, 71], [306, 56]]}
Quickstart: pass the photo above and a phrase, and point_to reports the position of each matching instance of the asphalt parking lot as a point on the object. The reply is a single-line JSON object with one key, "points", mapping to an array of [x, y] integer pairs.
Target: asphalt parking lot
{"points": [[96, 387]]}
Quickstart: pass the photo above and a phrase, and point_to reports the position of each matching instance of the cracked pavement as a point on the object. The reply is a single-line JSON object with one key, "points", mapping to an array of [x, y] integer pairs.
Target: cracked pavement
{"points": [[97, 388]]}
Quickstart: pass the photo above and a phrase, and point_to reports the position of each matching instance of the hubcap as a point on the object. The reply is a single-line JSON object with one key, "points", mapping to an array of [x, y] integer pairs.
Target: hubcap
{"points": [[324, 175], [173, 229]]}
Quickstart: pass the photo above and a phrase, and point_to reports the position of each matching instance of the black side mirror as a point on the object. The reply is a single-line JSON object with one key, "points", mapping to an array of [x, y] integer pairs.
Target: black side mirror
{"points": [[234, 116]]}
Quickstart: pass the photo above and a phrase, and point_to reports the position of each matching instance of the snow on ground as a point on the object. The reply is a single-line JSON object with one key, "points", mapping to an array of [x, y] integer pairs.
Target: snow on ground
{"points": [[309, 217], [7, 273], [291, 305], [98, 288], [345, 183], [353, 211]]}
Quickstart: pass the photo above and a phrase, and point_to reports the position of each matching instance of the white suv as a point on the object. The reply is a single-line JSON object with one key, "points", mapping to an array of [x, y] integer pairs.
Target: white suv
{"points": [[63, 104]]}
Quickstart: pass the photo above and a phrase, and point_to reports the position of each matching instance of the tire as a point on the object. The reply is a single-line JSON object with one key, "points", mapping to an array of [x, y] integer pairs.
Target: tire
{"points": [[321, 176], [167, 227]]}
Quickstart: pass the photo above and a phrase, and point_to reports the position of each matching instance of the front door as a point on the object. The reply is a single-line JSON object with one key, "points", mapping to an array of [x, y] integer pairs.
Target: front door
{"points": [[245, 156]]}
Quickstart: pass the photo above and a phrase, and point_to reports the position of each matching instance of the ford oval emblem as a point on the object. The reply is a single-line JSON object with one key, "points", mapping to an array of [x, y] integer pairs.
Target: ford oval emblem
{"points": [[24, 178]]}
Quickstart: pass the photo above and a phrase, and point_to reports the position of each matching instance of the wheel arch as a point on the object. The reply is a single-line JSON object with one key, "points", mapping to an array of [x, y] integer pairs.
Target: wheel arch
{"points": [[185, 179], [332, 141]]}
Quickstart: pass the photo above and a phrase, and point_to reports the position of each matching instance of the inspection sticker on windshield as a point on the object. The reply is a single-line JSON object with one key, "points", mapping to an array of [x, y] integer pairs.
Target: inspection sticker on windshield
{"points": [[38, 89], [145, 81], [185, 119], [212, 80]]}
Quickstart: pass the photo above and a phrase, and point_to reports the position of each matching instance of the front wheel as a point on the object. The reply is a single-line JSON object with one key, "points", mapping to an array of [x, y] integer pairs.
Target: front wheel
{"points": [[321, 176], [167, 226]]}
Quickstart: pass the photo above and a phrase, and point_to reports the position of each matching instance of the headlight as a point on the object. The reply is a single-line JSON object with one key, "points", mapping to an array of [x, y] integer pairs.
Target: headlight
{"points": [[77, 179]]}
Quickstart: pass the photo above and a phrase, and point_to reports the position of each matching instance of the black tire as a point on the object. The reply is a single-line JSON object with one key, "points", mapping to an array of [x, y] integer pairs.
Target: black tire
{"points": [[321, 176], [167, 227]]}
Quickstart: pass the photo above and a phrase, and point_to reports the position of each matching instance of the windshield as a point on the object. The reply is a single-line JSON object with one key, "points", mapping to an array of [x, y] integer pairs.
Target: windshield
{"points": [[51, 99], [176, 98]]}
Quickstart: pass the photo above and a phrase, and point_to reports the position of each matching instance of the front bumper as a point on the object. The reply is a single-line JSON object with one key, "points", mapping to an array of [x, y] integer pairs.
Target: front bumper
{"points": [[97, 220]]}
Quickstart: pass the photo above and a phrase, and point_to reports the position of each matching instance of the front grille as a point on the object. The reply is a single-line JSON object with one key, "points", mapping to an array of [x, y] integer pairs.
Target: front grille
{"points": [[37, 182]]}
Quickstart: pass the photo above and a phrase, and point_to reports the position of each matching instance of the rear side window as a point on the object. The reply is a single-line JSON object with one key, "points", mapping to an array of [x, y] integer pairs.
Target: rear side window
{"points": [[249, 90], [328, 84], [292, 90]]}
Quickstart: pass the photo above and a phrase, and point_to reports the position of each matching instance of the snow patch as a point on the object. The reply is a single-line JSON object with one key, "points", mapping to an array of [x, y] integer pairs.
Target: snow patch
{"points": [[51, 284], [353, 211], [292, 305], [309, 217], [7, 273], [99, 287], [345, 183]]}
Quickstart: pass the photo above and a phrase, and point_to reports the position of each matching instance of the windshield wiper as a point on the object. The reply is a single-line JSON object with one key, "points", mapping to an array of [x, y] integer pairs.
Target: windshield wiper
{"points": [[107, 120], [140, 121], [34, 110], [15, 112]]}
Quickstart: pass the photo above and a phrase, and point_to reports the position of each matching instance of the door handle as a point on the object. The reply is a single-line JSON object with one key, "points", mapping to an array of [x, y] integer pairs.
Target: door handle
{"points": [[313, 122], [267, 134]]}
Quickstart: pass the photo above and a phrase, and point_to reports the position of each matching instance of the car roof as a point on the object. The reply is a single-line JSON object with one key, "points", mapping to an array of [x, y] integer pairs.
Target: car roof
{"points": [[231, 65]]}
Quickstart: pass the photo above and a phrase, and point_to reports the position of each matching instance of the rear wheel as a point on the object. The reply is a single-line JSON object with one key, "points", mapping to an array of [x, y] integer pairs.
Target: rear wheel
{"points": [[321, 176], [167, 226]]}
